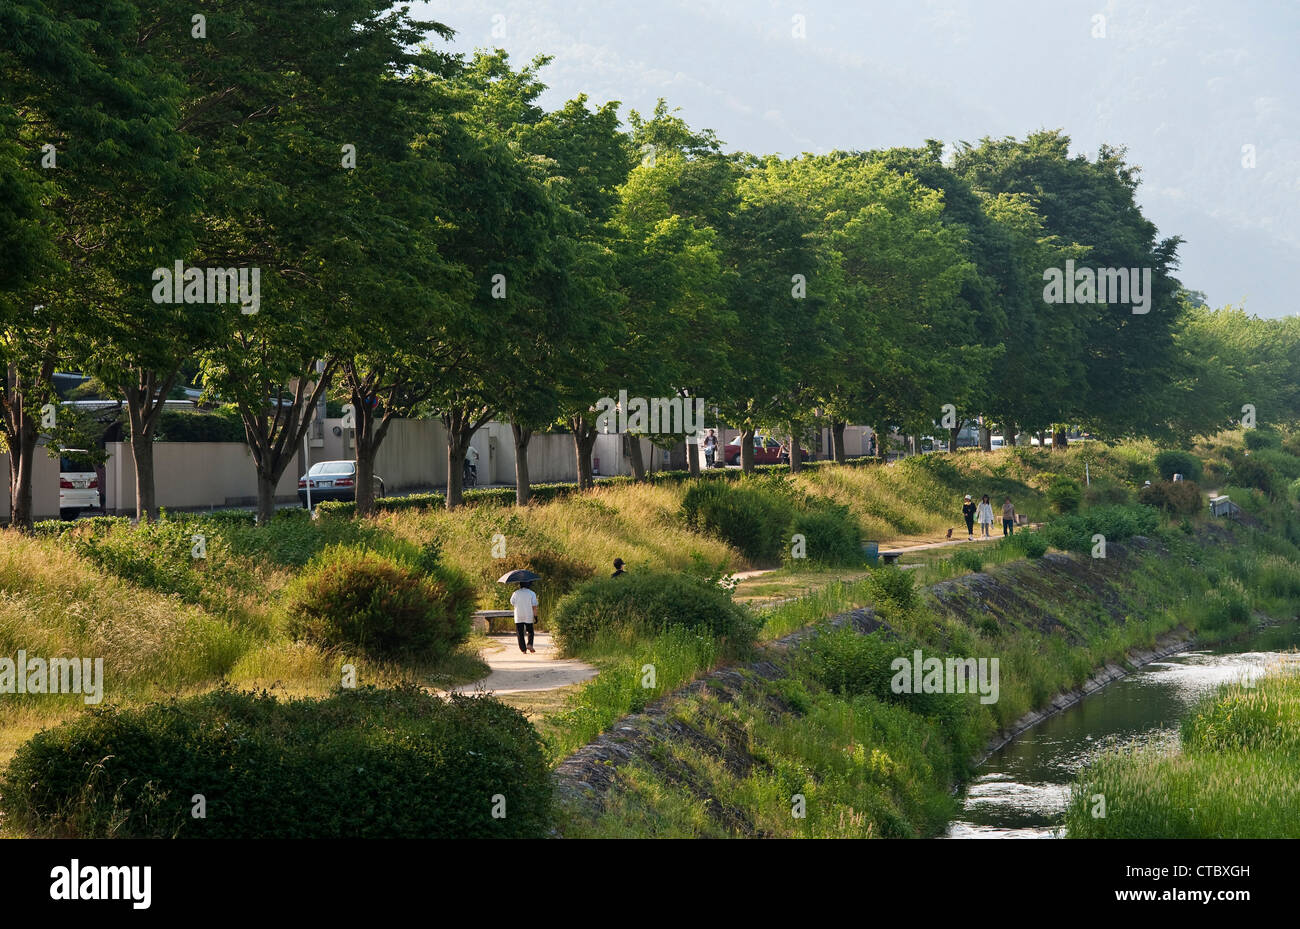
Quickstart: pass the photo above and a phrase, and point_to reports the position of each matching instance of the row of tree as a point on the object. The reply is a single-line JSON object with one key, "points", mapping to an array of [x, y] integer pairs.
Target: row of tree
{"points": [[432, 241]]}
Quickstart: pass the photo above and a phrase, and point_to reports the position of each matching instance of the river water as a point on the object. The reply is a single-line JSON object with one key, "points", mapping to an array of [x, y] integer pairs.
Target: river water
{"points": [[1021, 790]]}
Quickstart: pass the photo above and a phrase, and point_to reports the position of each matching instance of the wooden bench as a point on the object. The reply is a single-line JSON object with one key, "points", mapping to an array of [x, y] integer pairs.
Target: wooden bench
{"points": [[890, 557], [482, 619]]}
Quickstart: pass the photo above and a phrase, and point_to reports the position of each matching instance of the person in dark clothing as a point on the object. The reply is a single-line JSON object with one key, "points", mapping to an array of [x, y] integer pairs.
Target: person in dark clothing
{"points": [[618, 568], [968, 513]]}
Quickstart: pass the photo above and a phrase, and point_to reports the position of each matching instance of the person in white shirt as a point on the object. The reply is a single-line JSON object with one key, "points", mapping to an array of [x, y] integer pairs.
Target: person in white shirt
{"points": [[524, 602], [984, 514]]}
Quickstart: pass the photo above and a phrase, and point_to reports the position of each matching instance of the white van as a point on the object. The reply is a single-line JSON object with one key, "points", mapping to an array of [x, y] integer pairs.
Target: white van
{"points": [[78, 484]]}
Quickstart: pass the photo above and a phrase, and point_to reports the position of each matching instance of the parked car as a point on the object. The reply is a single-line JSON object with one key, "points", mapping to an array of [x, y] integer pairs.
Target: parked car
{"points": [[767, 450], [333, 480], [78, 484]]}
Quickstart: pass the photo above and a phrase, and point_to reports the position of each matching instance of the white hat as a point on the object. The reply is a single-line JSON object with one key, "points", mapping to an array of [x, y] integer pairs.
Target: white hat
{"points": [[968, 496]]}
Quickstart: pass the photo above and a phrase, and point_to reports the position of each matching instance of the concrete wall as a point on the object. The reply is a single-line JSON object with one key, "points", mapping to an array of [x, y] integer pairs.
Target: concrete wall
{"points": [[45, 486], [194, 475]]}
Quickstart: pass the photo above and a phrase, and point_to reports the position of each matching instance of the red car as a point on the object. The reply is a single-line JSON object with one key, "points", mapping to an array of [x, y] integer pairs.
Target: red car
{"points": [[767, 450]]}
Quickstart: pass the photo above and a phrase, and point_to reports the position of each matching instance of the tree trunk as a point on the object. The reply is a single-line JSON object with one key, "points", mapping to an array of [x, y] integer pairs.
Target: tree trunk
{"points": [[146, 507], [747, 451], [1042, 439], [986, 439], [1009, 435], [796, 456], [634, 457], [953, 435], [693, 456], [266, 498], [1059, 440], [837, 442], [20, 479], [584, 441], [882, 444], [523, 487], [145, 399]]}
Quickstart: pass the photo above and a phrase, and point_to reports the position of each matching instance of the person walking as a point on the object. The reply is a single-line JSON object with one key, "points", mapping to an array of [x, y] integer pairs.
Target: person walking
{"points": [[524, 600], [710, 448], [985, 514], [968, 514], [1008, 517]]}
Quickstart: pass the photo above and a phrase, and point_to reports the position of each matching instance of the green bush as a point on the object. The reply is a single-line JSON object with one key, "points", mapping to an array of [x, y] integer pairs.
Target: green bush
{"points": [[1224, 606], [223, 425], [894, 586], [1275, 576], [968, 559], [1064, 494], [1179, 498], [560, 574], [1116, 523], [361, 764], [1175, 461], [1030, 544], [1106, 493], [831, 535], [384, 606], [1247, 472], [1283, 464], [649, 602], [1256, 439], [743, 515]]}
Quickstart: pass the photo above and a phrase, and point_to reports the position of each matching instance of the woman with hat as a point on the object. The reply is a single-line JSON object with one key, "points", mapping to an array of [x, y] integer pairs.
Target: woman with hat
{"points": [[968, 513]]}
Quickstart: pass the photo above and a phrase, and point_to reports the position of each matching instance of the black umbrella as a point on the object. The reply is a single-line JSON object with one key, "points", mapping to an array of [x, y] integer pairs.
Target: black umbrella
{"points": [[520, 576]]}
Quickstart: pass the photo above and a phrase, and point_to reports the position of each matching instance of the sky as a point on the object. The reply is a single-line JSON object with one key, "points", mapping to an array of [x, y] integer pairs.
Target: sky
{"points": [[1202, 95]]}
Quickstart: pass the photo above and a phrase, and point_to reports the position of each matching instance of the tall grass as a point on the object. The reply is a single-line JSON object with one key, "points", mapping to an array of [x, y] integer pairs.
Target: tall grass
{"points": [[1234, 773]]}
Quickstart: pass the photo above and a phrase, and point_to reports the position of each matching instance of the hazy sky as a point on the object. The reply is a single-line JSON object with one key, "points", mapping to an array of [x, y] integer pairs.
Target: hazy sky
{"points": [[1183, 85]]}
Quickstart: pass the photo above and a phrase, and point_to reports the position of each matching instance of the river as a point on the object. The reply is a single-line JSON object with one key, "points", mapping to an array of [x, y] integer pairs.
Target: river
{"points": [[1021, 790]]}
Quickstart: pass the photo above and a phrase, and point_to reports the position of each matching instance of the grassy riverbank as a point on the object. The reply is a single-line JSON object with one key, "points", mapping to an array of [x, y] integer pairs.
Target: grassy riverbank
{"points": [[1233, 773]]}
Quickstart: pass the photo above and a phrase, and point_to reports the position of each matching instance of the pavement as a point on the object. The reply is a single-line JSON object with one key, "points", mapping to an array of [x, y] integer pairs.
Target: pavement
{"points": [[515, 672]]}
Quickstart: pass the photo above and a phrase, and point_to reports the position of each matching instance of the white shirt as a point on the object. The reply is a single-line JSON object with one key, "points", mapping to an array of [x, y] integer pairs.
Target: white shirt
{"points": [[524, 601], [471, 455], [985, 513]]}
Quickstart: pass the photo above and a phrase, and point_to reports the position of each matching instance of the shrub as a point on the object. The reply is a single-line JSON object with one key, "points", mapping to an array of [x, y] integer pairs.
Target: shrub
{"points": [[1282, 463], [1031, 544], [1180, 498], [745, 517], [968, 559], [559, 573], [361, 764], [649, 602], [832, 536], [1278, 577], [1106, 493], [1256, 439], [1116, 523], [1247, 472], [1224, 606], [1064, 494], [1175, 461], [385, 607], [894, 586], [224, 425]]}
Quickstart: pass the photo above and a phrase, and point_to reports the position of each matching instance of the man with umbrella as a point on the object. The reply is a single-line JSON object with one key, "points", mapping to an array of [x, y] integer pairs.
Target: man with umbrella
{"points": [[524, 601]]}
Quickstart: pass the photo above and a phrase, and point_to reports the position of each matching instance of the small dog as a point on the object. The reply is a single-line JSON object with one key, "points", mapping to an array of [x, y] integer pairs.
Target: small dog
{"points": [[950, 533]]}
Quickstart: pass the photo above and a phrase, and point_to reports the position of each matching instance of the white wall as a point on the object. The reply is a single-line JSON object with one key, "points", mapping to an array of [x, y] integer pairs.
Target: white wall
{"points": [[45, 486]]}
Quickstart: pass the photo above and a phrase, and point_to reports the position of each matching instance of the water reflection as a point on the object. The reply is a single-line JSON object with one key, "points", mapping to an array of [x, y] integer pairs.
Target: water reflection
{"points": [[1022, 789]]}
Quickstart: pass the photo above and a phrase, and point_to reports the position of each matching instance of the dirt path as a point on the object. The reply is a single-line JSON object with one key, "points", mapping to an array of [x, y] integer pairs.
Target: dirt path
{"points": [[514, 672]]}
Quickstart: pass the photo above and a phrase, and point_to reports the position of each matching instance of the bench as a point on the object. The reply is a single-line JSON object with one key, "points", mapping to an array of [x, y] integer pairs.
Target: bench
{"points": [[482, 619], [890, 557]]}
